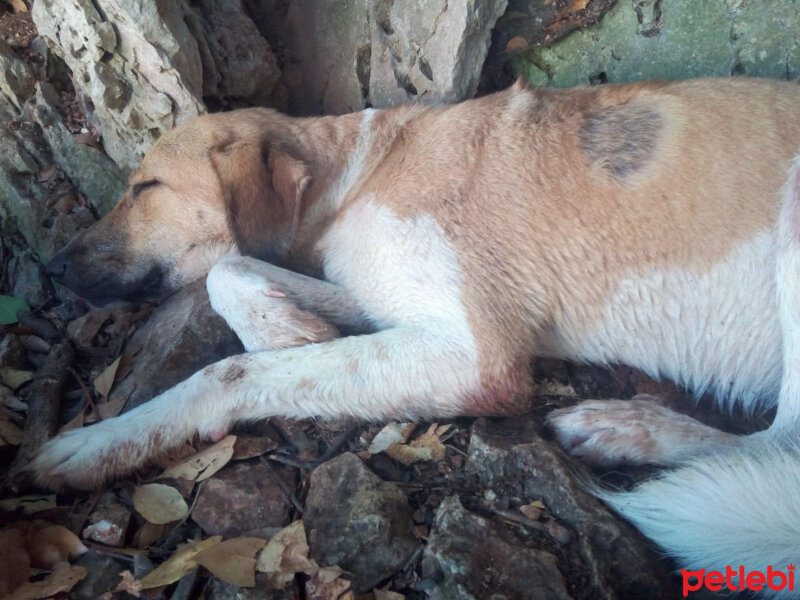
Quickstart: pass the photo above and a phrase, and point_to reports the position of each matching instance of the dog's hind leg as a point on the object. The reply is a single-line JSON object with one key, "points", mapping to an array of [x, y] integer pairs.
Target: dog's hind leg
{"points": [[271, 308], [638, 431], [404, 372]]}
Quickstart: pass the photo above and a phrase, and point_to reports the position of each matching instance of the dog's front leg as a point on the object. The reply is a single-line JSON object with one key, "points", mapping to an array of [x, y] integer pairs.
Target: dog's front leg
{"points": [[272, 308], [397, 373]]}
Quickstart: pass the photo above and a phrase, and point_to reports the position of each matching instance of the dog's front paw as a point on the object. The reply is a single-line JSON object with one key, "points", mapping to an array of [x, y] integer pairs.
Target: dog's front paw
{"points": [[84, 458], [638, 431]]}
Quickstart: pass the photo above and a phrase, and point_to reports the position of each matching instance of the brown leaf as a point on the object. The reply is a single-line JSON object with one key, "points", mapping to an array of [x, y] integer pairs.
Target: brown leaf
{"points": [[285, 554], [426, 447], [233, 560], [205, 463], [46, 174], [112, 408], [52, 545], [532, 511], [149, 534], [575, 6], [105, 380], [178, 565], [18, 6], [129, 584], [327, 584], [10, 433], [517, 44], [62, 579], [159, 503], [250, 446]]}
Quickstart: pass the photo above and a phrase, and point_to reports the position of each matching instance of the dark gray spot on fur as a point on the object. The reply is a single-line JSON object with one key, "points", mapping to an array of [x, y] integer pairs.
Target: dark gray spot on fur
{"points": [[621, 139], [233, 373]]}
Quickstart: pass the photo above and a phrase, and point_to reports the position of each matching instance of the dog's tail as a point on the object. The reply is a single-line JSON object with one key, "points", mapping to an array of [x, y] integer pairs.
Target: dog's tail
{"points": [[737, 508]]}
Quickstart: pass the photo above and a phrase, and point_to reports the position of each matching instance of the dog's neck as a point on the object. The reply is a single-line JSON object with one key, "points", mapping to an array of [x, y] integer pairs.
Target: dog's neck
{"points": [[341, 152]]}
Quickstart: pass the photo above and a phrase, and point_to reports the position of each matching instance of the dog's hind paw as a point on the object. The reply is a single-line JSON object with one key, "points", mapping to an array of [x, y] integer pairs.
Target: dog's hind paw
{"points": [[639, 431]]}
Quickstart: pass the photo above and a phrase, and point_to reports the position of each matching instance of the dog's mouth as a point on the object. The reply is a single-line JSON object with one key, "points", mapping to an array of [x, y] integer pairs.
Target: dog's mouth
{"points": [[113, 288]]}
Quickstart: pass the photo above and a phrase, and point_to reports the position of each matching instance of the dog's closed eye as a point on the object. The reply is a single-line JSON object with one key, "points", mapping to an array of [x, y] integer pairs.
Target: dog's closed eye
{"points": [[138, 188]]}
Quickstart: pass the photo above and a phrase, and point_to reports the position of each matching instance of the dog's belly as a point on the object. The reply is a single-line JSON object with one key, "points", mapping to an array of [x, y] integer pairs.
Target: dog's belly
{"points": [[715, 331]]}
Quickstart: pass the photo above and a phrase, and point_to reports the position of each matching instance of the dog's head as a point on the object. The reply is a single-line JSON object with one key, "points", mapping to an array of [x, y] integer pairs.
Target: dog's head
{"points": [[221, 184]]}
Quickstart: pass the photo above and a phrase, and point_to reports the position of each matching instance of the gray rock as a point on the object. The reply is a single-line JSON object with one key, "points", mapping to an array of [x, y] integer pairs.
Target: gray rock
{"points": [[28, 279], [182, 336], [219, 590], [496, 567], [89, 169], [357, 521], [347, 54], [637, 41], [145, 66], [16, 81], [241, 498], [510, 457], [103, 574]]}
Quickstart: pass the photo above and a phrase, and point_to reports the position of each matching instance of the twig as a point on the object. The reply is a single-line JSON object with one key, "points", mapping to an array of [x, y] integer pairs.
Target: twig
{"points": [[43, 408], [89, 401], [284, 488], [557, 532], [337, 443]]}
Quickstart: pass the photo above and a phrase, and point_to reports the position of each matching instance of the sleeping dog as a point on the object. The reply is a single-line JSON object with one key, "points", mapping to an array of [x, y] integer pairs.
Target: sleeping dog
{"points": [[648, 224]]}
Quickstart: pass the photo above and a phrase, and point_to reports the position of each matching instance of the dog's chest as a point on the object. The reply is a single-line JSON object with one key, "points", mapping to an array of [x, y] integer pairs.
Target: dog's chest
{"points": [[404, 271]]}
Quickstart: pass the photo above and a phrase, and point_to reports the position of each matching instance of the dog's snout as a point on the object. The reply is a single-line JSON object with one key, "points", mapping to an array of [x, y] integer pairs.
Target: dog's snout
{"points": [[57, 267]]}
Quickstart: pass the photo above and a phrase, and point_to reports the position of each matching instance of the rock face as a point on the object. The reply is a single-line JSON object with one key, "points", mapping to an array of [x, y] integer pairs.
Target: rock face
{"points": [[493, 568], [144, 67], [637, 41], [511, 455], [348, 54], [357, 521], [182, 336], [239, 499]]}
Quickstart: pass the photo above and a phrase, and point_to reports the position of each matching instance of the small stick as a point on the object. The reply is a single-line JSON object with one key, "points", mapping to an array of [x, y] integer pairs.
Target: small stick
{"points": [[44, 402]]}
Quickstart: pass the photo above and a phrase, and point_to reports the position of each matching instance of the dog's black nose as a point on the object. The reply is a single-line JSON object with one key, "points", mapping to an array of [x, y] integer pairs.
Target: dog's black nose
{"points": [[57, 266]]}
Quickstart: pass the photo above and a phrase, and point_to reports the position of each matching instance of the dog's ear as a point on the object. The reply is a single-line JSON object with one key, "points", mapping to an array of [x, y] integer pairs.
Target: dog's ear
{"points": [[263, 188]]}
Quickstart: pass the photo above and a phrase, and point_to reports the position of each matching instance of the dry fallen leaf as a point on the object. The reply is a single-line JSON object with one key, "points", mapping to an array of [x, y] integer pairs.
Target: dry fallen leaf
{"points": [[149, 534], [285, 554], [517, 44], [14, 378], [105, 380], [129, 584], [52, 545], [250, 446], [233, 560], [575, 6], [10, 433], [426, 447], [159, 503], [205, 463], [112, 408], [393, 433], [62, 579], [178, 565], [327, 584]]}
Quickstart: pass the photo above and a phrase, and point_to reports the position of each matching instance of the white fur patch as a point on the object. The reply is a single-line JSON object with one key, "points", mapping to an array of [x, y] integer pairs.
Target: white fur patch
{"points": [[716, 331]]}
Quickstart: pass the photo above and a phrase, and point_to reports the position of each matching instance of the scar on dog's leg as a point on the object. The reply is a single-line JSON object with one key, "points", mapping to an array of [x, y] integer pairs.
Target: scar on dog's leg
{"points": [[638, 431], [398, 373], [238, 275], [787, 273]]}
